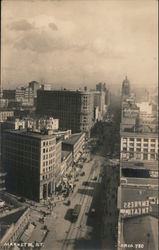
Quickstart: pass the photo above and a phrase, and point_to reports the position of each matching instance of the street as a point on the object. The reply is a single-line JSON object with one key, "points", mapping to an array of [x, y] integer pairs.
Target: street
{"points": [[90, 230]]}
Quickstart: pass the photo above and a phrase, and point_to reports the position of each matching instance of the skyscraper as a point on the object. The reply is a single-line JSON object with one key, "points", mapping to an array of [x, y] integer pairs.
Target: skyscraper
{"points": [[74, 109], [125, 87]]}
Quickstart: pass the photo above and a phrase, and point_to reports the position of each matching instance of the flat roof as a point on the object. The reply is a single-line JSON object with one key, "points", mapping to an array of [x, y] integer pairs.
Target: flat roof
{"points": [[31, 134], [151, 165], [129, 193], [140, 134], [73, 138], [142, 181], [66, 153], [141, 230], [12, 218]]}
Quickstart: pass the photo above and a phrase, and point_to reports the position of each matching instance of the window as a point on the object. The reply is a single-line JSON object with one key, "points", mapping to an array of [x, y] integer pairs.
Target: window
{"points": [[145, 156], [43, 157], [152, 145], [153, 150], [131, 139], [44, 144], [131, 144], [131, 155], [152, 156], [44, 164], [145, 145], [138, 156], [153, 140], [138, 139], [145, 140], [43, 150], [138, 149], [138, 144], [145, 149]]}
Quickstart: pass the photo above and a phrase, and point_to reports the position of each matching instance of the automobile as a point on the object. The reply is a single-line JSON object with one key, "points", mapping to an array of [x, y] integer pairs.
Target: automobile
{"points": [[67, 203], [82, 173], [65, 195], [93, 211], [76, 179], [94, 178], [85, 183], [22, 199]]}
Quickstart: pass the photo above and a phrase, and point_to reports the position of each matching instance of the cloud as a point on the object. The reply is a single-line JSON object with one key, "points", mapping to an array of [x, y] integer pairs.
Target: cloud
{"points": [[40, 42], [21, 25], [53, 26]]}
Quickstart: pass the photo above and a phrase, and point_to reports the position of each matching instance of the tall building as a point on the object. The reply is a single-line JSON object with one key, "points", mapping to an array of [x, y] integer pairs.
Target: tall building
{"points": [[30, 160], [102, 88], [125, 87], [99, 101], [138, 191], [34, 86], [74, 109]]}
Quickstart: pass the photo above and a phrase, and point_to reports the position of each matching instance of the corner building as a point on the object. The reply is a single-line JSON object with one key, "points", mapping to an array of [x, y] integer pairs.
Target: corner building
{"points": [[30, 161]]}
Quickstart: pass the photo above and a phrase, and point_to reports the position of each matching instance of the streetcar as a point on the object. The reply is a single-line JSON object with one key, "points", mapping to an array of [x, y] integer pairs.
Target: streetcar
{"points": [[76, 212]]}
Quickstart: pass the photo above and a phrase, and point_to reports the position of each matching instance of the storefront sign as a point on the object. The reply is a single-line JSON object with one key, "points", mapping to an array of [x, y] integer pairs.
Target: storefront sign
{"points": [[131, 208]]}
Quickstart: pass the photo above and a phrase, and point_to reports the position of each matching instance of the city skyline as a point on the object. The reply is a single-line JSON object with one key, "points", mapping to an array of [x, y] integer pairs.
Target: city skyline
{"points": [[79, 43]]}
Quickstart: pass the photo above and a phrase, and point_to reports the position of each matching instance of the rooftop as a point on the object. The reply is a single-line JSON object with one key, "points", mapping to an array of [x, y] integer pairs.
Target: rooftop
{"points": [[73, 138], [141, 181], [65, 154], [151, 165], [36, 135], [130, 194], [145, 231]]}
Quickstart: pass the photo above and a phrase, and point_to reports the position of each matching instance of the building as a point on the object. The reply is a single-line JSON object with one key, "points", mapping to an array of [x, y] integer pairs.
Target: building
{"points": [[75, 144], [125, 88], [4, 114], [34, 86], [58, 159], [31, 160], [23, 95], [138, 190], [48, 123], [2, 180], [101, 87], [74, 109], [99, 101], [13, 226]]}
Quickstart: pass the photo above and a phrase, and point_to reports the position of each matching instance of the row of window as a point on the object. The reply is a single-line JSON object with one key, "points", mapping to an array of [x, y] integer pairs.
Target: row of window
{"points": [[46, 163], [139, 150], [47, 169], [47, 143], [139, 156], [47, 176], [139, 145], [46, 150], [139, 139]]}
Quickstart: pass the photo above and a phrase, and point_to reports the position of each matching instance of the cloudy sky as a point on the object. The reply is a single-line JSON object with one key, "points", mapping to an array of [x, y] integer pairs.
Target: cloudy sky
{"points": [[73, 43]]}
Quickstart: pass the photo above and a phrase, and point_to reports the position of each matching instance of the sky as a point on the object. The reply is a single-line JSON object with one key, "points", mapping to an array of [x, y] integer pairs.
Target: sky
{"points": [[76, 43]]}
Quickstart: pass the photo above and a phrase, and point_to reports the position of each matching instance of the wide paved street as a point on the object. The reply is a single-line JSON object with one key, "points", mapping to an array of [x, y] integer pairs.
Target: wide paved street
{"points": [[90, 231]]}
